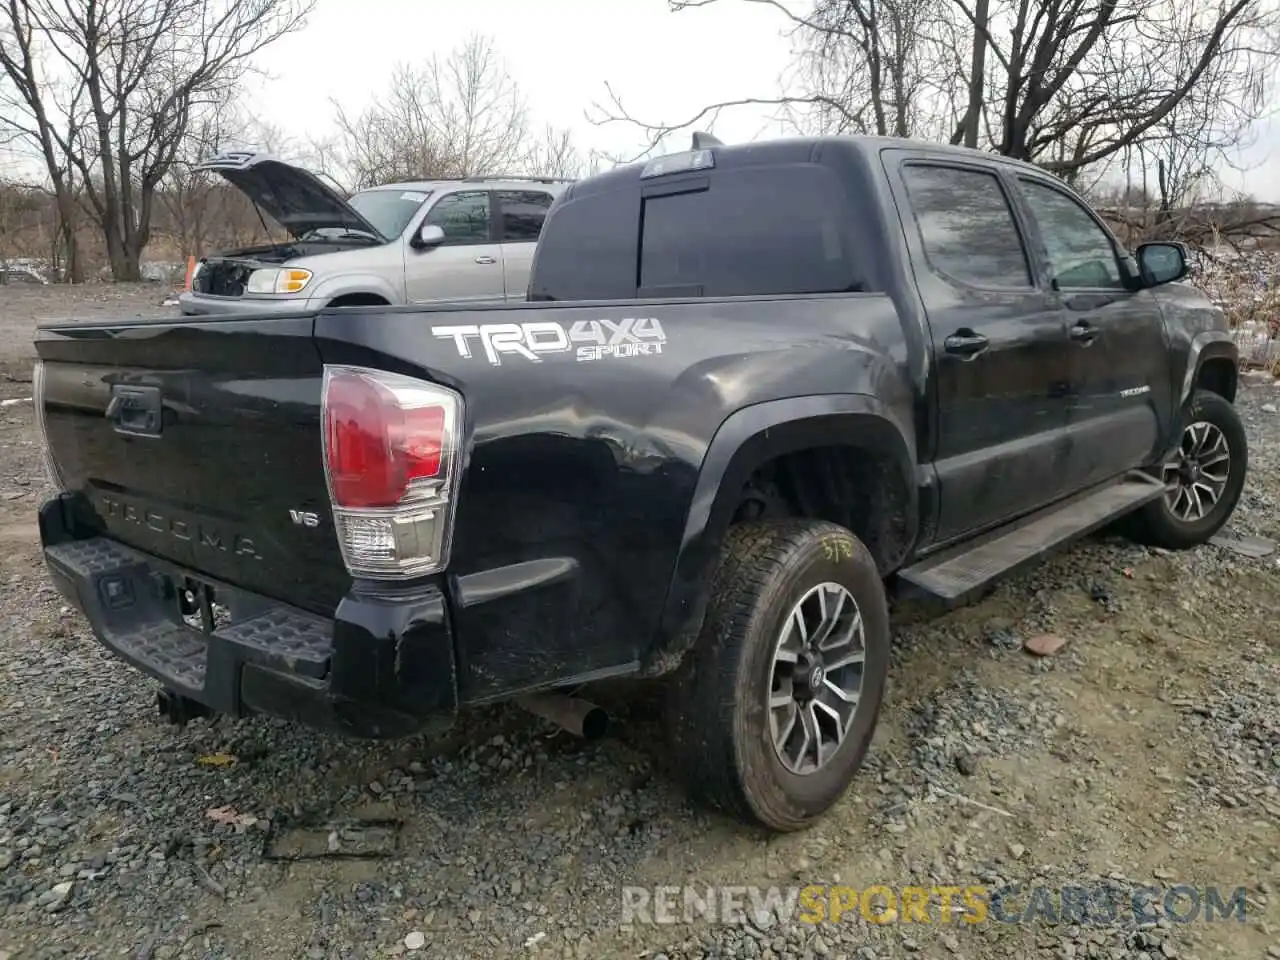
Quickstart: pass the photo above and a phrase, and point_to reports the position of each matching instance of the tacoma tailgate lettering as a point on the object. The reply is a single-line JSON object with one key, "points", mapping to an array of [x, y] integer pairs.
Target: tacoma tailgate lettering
{"points": [[199, 535]]}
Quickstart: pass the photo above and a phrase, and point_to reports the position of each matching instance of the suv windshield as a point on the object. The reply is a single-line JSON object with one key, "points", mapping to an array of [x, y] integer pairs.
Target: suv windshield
{"points": [[388, 210]]}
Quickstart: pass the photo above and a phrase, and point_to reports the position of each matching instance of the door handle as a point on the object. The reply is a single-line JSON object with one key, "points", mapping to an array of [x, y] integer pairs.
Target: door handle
{"points": [[485, 260], [966, 343], [1083, 333]]}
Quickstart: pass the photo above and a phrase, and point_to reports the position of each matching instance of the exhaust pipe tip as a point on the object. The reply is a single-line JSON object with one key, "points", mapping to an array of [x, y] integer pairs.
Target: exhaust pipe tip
{"points": [[572, 714], [595, 723]]}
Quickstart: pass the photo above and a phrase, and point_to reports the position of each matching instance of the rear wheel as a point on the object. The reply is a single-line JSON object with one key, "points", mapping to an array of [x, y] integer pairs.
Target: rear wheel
{"points": [[774, 708], [1203, 478]]}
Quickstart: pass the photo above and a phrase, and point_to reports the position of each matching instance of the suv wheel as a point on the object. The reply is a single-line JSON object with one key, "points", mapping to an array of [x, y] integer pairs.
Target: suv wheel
{"points": [[1203, 477], [773, 710]]}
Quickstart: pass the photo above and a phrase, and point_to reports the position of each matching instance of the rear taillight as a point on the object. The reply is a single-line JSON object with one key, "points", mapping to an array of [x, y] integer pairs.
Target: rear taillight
{"points": [[391, 461], [42, 432]]}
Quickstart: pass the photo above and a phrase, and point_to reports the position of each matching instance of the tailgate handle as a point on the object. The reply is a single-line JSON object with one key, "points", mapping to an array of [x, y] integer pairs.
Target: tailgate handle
{"points": [[137, 411]]}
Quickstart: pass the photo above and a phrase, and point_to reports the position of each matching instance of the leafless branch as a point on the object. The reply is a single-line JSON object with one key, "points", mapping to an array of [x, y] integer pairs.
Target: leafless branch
{"points": [[109, 91], [1073, 85]]}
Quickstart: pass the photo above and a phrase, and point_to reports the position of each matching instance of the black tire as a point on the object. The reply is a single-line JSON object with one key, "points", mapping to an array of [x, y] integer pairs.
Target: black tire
{"points": [[717, 715], [1156, 524]]}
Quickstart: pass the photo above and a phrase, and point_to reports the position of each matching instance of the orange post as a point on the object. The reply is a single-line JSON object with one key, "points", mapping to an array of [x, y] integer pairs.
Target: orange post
{"points": [[191, 268]]}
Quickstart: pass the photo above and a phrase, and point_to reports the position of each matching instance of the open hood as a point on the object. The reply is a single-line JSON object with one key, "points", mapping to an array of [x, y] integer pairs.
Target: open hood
{"points": [[295, 198]]}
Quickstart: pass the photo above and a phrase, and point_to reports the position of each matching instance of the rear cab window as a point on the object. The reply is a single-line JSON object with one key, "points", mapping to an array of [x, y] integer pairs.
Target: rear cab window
{"points": [[758, 232], [747, 227]]}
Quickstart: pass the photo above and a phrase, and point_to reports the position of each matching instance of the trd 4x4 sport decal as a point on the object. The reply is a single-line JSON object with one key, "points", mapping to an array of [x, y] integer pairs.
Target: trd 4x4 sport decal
{"points": [[592, 339]]}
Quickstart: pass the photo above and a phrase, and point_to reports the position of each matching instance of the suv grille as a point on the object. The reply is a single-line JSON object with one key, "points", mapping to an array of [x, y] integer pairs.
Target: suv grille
{"points": [[223, 279]]}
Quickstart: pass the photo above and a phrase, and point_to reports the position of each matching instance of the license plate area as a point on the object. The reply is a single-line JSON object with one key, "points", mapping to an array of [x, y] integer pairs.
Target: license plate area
{"points": [[192, 601]]}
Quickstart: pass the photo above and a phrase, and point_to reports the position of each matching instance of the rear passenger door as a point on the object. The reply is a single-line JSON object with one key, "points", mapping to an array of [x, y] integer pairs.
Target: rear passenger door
{"points": [[520, 214], [999, 344], [1118, 359], [467, 265]]}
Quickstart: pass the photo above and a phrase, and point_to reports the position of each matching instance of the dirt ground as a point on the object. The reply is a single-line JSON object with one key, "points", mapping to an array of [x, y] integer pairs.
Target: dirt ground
{"points": [[1144, 753]]}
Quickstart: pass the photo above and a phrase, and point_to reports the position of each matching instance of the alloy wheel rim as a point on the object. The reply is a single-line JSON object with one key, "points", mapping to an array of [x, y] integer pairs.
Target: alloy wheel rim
{"points": [[816, 680], [1195, 478]]}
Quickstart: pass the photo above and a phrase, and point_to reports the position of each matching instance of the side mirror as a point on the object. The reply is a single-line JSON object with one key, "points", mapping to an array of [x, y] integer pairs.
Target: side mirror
{"points": [[1162, 263], [428, 236]]}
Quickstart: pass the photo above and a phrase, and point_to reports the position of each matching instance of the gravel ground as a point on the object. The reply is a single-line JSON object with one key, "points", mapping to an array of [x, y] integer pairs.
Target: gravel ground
{"points": [[1146, 751]]}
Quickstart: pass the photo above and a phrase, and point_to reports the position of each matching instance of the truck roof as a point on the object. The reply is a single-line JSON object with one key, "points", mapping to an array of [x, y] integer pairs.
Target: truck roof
{"points": [[800, 149]]}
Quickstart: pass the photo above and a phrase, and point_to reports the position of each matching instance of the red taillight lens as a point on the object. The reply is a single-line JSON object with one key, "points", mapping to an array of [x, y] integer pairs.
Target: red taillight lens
{"points": [[358, 453], [420, 441], [377, 446], [391, 457]]}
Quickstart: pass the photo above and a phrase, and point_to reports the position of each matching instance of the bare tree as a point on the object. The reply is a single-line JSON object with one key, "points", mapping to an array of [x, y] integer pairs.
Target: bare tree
{"points": [[1079, 82], [463, 115], [323, 151], [43, 115], [135, 76], [1065, 83], [187, 195], [21, 207], [457, 116], [397, 139], [866, 64], [554, 155], [863, 66]]}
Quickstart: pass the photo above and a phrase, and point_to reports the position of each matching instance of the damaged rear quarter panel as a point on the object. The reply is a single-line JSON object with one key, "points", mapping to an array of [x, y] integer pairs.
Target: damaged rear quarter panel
{"points": [[579, 474]]}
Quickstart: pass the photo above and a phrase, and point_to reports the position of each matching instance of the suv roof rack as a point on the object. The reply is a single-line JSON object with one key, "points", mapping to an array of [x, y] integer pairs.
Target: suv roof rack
{"points": [[488, 178]]}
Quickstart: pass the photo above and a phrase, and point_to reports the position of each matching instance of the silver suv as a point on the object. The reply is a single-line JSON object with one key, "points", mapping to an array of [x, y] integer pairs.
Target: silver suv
{"points": [[434, 241]]}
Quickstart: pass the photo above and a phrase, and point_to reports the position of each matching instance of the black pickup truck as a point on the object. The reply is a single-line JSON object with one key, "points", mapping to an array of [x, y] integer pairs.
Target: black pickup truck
{"points": [[755, 392]]}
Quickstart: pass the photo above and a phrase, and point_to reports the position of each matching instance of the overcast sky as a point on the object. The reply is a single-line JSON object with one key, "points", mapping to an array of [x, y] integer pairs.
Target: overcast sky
{"points": [[664, 66], [561, 53]]}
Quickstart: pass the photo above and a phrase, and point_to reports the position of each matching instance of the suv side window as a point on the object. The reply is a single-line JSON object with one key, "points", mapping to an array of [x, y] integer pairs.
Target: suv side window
{"points": [[522, 213], [1080, 252], [966, 225], [463, 216]]}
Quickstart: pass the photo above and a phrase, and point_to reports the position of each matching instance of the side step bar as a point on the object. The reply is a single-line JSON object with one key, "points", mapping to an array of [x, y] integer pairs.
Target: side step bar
{"points": [[953, 576]]}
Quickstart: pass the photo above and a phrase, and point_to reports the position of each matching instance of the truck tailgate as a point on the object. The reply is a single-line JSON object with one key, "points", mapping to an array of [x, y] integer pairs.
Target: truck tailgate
{"points": [[198, 442]]}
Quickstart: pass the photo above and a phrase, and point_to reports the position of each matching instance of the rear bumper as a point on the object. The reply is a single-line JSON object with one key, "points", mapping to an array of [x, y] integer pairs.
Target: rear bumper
{"points": [[377, 669]]}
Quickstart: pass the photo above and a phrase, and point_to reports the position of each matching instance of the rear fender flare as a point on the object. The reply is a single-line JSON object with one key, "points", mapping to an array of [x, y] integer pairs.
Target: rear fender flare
{"points": [[746, 440]]}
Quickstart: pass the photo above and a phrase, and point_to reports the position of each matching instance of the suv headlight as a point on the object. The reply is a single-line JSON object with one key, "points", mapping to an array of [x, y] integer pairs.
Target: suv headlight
{"points": [[278, 280]]}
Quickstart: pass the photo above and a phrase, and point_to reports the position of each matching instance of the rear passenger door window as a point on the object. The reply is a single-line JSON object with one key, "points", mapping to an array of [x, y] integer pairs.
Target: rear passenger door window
{"points": [[464, 217], [967, 226], [1081, 255], [521, 213]]}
